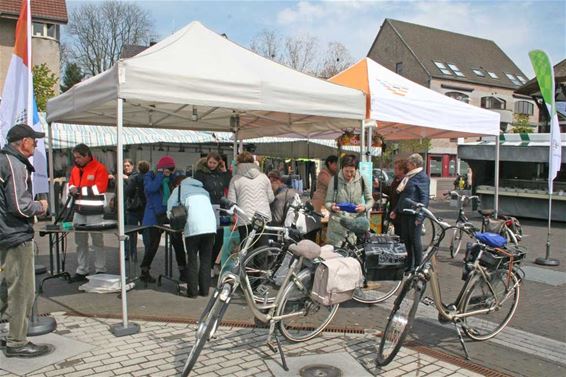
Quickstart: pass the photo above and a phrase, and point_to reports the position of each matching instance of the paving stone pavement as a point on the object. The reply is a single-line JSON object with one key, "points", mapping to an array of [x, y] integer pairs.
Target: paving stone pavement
{"points": [[161, 348]]}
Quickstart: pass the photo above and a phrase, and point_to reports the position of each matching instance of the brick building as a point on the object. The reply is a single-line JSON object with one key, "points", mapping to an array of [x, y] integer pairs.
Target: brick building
{"points": [[467, 68]]}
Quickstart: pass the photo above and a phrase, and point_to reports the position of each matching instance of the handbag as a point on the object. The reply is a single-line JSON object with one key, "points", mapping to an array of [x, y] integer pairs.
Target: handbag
{"points": [[178, 214]]}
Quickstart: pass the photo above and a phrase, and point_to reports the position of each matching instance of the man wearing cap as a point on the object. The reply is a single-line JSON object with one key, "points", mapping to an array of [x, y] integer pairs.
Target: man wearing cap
{"points": [[17, 211], [284, 197], [87, 184]]}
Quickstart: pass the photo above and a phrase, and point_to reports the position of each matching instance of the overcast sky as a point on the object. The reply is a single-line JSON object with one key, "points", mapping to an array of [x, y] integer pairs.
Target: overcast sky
{"points": [[516, 26]]}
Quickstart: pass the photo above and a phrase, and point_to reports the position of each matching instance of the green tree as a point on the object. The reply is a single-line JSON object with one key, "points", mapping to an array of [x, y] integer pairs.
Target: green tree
{"points": [[44, 81], [521, 124], [414, 146], [73, 75]]}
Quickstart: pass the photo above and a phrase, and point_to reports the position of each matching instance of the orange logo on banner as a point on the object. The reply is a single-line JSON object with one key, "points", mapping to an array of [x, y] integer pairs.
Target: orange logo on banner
{"points": [[395, 89]]}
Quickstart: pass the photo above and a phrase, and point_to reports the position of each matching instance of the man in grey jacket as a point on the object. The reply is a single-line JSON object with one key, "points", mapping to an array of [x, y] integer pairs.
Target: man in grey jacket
{"points": [[17, 211], [284, 197]]}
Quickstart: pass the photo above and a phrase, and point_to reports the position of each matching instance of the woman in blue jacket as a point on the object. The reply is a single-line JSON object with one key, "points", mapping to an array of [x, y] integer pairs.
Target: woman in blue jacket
{"points": [[157, 187], [200, 231]]}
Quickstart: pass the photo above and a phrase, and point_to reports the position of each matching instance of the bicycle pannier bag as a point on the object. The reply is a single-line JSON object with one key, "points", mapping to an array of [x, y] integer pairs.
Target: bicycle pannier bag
{"points": [[178, 214], [385, 258], [494, 225], [335, 280]]}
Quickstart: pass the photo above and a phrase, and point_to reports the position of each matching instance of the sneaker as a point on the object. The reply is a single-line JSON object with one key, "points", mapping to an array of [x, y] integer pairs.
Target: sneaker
{"points": [[78, 278], [28, 350]]}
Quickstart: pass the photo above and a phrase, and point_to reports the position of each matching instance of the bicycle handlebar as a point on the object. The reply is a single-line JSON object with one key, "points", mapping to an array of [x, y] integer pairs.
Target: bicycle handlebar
{"points": [[420, 208]]}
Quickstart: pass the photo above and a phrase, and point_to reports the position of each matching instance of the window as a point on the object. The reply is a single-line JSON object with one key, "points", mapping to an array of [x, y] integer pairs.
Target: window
{"points": [[522, 79], [492, 75], [399, 68], [524, 107], [478, 72], [443, 68], [493, 103], [45, 30], [513, 79], [458, 96], [456, 70]]}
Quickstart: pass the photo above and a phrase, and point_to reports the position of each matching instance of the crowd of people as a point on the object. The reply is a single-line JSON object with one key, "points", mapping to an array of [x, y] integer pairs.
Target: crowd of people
{"points": [[150, 195]]}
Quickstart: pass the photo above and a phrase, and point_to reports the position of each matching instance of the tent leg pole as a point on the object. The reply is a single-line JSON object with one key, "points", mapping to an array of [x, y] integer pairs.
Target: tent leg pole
{"points": [[362, 141], [124, 328], [51, 173], [496, 197]]}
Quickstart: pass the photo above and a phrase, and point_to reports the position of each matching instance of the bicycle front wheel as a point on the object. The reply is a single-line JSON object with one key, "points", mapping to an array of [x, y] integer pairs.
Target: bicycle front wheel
{"points": [[400, 320], [307, 318], [428, 234], [497, 293], [262, 267], [206, 327], [375, 292], [456, 242]]}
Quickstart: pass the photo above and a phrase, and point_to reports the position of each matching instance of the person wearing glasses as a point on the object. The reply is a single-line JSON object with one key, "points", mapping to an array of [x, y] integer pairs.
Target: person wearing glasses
{"points": [[17, 212]]}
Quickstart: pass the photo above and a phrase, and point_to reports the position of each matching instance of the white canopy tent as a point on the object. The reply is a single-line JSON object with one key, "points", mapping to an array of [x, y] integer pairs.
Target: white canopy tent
{"points": [[196, 79]]}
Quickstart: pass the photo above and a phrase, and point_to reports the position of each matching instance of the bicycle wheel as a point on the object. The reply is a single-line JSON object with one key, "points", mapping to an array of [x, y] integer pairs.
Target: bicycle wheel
{"points": [[456, 242], [206, 326], [312, 317], [497, 293], [374, 292], [428, 234], [400, 320], [262, 267]]}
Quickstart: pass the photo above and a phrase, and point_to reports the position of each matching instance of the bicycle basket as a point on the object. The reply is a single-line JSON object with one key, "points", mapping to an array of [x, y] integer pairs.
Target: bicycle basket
{"points": [[495, 258], [385, 258]]}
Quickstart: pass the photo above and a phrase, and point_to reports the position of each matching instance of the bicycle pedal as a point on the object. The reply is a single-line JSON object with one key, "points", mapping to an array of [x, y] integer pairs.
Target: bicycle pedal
{"points": [[427, 301]]}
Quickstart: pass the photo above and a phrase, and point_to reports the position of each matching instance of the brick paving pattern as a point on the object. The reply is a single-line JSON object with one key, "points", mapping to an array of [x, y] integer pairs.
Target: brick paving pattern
{"points": [[161, 348]]}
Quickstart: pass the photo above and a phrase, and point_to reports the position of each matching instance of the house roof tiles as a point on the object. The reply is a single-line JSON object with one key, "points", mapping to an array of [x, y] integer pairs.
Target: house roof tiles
{"points": [[48, 10], [465, 52]]}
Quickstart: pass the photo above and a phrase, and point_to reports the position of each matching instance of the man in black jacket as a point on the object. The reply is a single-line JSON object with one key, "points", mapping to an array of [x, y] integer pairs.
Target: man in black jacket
{"points": [[17, 211], [415, 187]]}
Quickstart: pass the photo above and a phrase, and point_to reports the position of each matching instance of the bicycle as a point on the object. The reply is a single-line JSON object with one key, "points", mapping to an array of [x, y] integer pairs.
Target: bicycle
{"points": [[293, 313], [484, 306], [462, 222], [372, 292]]}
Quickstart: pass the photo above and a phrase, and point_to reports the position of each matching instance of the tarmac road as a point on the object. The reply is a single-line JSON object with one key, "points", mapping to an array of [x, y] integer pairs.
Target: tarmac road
{"points": [[535, 344]]}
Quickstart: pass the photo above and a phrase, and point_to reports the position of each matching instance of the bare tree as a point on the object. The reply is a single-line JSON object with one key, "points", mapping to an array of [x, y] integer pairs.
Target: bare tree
{"points": [[301, 52], [267, 43], [100, 30], [336, 59]]}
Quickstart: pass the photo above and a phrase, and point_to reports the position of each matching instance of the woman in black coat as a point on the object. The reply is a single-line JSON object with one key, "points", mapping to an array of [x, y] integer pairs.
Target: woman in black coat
{"points": [[215, 178]]}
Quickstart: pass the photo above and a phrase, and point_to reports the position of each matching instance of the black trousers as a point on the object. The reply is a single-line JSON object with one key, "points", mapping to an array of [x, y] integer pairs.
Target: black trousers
{"points": [[411, 237], [218, 242], [154, 237], [198, 279]]}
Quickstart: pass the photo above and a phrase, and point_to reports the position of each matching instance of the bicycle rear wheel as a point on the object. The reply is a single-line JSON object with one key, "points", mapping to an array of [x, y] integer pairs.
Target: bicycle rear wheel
{"points": [[376, 291], [400, 320], [262, 267], [312, 317], [456, 242], [497, 293], [206, 326]]}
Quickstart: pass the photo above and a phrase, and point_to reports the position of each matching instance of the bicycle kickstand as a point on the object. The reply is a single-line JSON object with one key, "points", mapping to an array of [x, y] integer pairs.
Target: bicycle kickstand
{"points": [[273, 333], [462, 341]]}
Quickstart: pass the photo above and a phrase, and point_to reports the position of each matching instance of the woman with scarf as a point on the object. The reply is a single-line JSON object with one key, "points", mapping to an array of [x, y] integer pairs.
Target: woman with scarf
{"points": [[211, 171], [158, 187], [415, 187], [399, 169]]}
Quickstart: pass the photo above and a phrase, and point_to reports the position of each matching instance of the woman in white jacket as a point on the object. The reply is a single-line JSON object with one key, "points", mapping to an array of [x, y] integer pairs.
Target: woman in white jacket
{"points": [[199, 233], [251, 190]]}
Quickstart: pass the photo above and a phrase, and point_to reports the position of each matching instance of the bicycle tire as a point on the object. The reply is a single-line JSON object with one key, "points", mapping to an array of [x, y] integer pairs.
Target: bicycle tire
{"points": [[479, 296], [428, 234], [206, 325], [376, 291], [295, 298], [456, 242], [400, 320], [261, 265]]}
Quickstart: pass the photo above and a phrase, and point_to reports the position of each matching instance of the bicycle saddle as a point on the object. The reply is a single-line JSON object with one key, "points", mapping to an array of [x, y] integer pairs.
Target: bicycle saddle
{"points": [[486, 212], [306, 248]]}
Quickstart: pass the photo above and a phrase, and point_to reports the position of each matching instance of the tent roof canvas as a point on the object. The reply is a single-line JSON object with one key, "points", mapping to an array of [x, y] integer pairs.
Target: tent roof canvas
{"points": [[404, 109], [197, 79]]}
